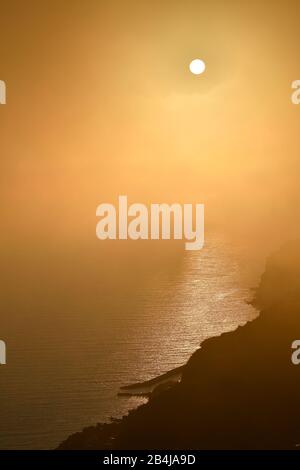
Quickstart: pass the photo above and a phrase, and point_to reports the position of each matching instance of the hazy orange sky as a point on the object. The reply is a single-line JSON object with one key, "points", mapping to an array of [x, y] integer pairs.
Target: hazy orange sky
{"points": [[100, 102]]}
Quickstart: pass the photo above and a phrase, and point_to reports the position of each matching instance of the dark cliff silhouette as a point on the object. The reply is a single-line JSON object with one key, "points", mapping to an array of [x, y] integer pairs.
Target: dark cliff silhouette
{"points": [[238, 391]]}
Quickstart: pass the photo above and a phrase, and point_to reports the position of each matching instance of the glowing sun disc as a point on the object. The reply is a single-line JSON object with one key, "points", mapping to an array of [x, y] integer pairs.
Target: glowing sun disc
{"points": [[197, 66]]}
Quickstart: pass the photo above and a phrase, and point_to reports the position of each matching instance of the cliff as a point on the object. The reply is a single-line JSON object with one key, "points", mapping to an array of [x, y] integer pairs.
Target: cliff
{"points": [[238, 391]]}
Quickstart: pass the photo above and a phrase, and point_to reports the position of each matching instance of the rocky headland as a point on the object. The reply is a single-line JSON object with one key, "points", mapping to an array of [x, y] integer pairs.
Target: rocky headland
{"points": [[238, 391]]}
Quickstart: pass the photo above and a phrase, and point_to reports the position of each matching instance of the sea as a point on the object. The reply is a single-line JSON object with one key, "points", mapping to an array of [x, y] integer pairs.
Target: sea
{"points": [[65, 366]]}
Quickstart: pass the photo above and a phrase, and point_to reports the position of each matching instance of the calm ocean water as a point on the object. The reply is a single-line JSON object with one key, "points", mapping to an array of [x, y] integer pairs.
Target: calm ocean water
{"points": [[64, 375]]}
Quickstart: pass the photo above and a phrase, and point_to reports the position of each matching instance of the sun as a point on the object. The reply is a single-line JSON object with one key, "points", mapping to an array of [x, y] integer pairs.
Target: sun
{"points": [[197, 66]]}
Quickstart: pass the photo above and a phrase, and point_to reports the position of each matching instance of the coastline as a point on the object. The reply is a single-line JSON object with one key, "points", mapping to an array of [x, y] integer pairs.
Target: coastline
{"points": [[229, 397], [149, 386]]}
